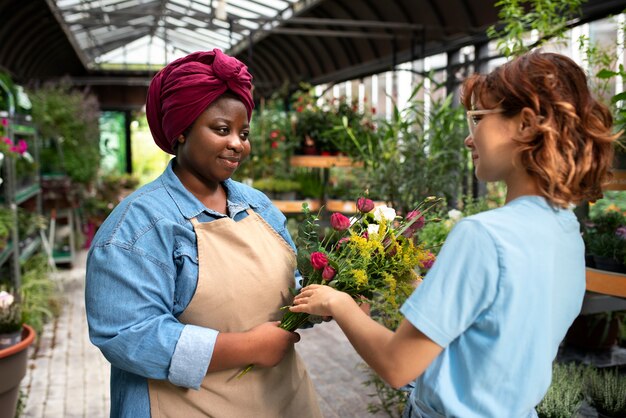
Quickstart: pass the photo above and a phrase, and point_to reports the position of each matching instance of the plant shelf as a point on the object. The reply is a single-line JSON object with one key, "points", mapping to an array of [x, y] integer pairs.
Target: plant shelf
{"points": [[606, 282], [6, 253], [30, 249], [295, 206], [618, 182], [322, 161]]}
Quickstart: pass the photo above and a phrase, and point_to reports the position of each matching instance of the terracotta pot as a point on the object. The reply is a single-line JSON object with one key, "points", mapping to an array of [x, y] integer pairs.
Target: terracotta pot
{"points": [[13, 361]]}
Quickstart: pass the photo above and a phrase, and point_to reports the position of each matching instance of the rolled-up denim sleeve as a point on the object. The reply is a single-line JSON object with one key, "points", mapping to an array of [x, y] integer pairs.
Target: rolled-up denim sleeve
{"points": [[129, 298]]}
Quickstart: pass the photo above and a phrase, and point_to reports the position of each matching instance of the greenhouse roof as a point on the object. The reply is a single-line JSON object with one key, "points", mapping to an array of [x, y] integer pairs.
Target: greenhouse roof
{"points": [[116, 46]]}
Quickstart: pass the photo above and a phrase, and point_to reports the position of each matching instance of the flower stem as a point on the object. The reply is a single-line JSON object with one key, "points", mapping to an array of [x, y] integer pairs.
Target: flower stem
{"points": [[291, 321]]}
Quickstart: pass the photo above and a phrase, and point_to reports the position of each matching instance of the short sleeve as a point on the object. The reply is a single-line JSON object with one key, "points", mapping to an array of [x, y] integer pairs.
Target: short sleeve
{"points": [[461, 285]]}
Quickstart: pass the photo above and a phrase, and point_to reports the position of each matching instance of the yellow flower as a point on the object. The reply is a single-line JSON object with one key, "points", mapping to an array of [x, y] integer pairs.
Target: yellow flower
{"points": [[360, 277]]}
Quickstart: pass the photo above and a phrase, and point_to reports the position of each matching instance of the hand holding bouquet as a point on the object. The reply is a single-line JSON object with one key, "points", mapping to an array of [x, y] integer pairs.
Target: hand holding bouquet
{"points": [[373, 254]]}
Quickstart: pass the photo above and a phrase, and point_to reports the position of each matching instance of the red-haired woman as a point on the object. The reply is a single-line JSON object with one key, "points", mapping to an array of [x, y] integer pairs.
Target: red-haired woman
{"points": [[480, 334]]}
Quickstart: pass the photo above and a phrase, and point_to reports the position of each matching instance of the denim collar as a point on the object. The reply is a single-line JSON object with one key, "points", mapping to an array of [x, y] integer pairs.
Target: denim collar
{"points": [[191, 207]]}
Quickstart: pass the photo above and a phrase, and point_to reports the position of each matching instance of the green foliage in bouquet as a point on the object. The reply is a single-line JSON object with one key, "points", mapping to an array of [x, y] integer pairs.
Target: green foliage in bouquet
{"points": [[373, 256]]}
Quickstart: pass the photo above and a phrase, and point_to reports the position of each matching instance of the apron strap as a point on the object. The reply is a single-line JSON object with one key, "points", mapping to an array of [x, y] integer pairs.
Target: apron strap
{"points": [[194, 221]]}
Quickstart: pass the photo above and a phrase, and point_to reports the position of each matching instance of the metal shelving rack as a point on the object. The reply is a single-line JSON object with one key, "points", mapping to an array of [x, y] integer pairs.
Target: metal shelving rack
{"points": [[18, 250]]}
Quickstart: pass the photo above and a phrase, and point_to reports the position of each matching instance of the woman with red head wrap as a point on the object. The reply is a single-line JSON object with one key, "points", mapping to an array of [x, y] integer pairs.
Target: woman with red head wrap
{"points": [[185, 277]]}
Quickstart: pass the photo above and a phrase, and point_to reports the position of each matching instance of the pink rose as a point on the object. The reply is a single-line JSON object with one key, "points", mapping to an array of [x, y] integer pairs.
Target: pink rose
{"points": [[339, 222], [319, 260], [341, 242], [328, 273], [364, 205]]}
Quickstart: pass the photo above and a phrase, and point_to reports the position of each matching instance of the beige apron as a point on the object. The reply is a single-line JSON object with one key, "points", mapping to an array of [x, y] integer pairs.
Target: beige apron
{"points": [[245, 270]]}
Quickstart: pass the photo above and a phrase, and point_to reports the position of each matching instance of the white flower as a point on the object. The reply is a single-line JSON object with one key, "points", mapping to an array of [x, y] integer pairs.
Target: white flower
{"points": [[455, 215], [372, 229], [6, 300], [384, 212]]}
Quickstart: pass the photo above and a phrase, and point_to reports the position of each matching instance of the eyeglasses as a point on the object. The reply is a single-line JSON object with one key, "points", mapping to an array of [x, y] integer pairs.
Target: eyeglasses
{"points": [[474, 116]]}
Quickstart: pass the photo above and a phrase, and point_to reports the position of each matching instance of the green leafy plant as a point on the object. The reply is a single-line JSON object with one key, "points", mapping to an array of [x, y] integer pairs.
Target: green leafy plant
{"points": [[549, 18], [605, 236], [565, 393], [276, 185], [69, 118], [10, 313], [606, 391], [40, 296]]}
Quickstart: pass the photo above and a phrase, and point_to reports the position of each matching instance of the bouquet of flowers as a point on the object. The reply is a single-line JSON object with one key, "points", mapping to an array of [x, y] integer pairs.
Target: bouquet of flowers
{"points": [[374, 254]]}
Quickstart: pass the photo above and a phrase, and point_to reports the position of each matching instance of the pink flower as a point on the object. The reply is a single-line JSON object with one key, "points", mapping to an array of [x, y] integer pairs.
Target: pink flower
{"points": [[364, 205], [621, 232], [416, 225], [428, 263], [319, 260], [274, 134], [341, 242], [5, 122], [339, 222], [328, 273], [21, 146]]}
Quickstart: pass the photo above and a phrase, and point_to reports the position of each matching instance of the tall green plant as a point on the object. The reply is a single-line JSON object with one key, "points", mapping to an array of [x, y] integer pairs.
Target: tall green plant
{"points": [[415, 154], [565, 393], [550, 18], [69, 118], [606, 391]]}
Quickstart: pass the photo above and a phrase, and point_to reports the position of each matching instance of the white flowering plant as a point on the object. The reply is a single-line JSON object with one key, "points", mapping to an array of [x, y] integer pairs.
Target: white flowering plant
{"points": [[10, 313]]}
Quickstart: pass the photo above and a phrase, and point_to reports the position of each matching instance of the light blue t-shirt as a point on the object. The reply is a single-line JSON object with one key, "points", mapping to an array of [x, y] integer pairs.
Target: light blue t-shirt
{"points": [[505, 288]]}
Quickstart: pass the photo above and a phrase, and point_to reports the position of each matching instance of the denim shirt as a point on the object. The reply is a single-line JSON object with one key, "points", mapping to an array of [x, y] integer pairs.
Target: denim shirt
{"points": [[142, 272]]}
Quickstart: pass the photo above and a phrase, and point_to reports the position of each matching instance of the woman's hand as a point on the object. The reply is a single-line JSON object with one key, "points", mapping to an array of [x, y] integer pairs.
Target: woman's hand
{"points": [[264, 345], [319, 300], [271, 343]]}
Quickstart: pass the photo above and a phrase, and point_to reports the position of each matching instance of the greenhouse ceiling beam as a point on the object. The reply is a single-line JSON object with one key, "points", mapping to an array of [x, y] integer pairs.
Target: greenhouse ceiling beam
{"points": [[68, 33], [113, 44], [111, 81], [331, 33]]}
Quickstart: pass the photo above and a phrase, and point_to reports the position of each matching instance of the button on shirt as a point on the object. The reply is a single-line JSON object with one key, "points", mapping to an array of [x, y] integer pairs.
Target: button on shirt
{"points": [[142, 272]]}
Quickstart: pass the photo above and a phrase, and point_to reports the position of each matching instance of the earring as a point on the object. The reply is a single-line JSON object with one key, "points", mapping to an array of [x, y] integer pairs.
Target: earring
{"points": [[181, 139]]}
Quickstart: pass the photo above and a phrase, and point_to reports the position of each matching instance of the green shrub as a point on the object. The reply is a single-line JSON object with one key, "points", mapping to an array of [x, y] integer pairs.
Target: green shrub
{"points": [[565, 394], [40, 297], [606, 392]]}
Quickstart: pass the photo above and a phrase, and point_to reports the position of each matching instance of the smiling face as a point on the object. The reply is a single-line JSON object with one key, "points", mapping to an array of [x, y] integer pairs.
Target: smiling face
{"points": [[215, 146]]}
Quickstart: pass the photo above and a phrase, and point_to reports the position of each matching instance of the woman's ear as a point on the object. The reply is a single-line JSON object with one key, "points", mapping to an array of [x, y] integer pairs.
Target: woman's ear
{"points": [[527, 119], [181, 139]]}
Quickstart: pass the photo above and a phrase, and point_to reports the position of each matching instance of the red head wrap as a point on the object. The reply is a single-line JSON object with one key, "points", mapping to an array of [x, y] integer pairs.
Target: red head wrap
{"points": [[181, 91]]}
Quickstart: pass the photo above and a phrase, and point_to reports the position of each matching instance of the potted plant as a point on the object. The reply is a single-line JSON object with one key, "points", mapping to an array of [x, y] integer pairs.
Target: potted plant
{"points": [[606, 392], [277, 188], [15, 338], [565, 393], [605, 240]]}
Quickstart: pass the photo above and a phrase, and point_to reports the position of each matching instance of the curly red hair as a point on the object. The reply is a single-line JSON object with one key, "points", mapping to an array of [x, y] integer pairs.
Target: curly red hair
{"points": [[568, 148]]}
